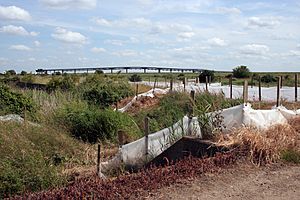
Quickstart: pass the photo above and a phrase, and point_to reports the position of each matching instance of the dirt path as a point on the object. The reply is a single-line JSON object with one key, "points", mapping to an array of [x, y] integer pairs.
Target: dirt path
{"points": [[242, 182]]}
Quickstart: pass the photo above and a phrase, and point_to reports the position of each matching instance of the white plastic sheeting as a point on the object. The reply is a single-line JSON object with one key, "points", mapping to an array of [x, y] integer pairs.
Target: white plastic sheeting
{"points": [[150, 93], [135, 153], [15, 118], [242, 115], [268, 93]]}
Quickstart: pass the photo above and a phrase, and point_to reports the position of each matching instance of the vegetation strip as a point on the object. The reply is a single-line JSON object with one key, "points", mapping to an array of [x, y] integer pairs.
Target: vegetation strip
{"points": [[134, 185]]}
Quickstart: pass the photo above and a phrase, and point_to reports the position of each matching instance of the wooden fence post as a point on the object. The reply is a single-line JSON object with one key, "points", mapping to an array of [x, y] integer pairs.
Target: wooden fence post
{"points": [[184, 82], [278, 91], [259, 88], [25, 117], [230, 86], [137, 89], [245, 91], [193, 95], [166, 82], [296, 87], [120, 138], [99, 161], [281, 81], [146, 124], [154, 85], [171, 84], [206, 83]]}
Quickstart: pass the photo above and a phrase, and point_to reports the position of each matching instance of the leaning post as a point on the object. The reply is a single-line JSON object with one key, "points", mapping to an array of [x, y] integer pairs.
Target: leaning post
{"points": [[296, 87], [245, 91], [278, 91]]}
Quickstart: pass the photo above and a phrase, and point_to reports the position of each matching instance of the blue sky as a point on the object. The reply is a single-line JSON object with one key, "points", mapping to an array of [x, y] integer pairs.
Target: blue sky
{"points": [[212, 34]]}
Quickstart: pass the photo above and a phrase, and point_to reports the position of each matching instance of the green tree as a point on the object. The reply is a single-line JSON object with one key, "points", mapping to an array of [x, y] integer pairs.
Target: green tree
{"points": [[135, 78], [241, 72], [11, 72], [23, 73], [204, 74]]}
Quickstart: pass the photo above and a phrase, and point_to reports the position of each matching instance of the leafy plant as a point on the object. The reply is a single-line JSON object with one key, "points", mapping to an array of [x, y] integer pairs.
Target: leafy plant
{"points": [[106, 93], [91, 124], [135, 78], [241, 72], [206, 73], [13, 102], [268, 78]]}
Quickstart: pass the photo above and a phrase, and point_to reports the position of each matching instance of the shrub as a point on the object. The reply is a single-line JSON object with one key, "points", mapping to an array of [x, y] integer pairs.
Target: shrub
{"points": [[98, 71], [181, 77], [135, 78], [291, 156], [10, 72], [92, 124], [268, 78], [204, 74], [13, 102], [241, 72], [23, 73], [172, 107], [106, 93], [65, 83]]}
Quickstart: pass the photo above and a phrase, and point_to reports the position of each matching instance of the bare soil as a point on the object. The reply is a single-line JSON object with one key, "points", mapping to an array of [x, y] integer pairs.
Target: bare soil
{"points": [[244, 181]]}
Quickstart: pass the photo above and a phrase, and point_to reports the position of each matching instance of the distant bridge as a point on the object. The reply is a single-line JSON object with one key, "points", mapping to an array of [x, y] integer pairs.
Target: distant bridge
{"points": [[127, 68]]}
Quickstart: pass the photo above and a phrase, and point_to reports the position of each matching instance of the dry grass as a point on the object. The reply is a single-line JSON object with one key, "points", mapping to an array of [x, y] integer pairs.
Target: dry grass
{"points": [[265, 146]]}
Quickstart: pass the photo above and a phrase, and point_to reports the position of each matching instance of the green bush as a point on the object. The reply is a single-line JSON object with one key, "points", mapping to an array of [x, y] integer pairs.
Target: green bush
{"points": [[172, 107], [91, 124], [64, 83], [26, 173], [241, 72], [13, 102], [135, 78], [11, 72], [268, 78], [106, 93], [291, 156], [23, 73], [204, 74]]}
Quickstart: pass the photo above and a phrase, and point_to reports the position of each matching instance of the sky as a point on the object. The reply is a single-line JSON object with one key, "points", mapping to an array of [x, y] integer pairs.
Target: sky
{"points": [[210, 34]]}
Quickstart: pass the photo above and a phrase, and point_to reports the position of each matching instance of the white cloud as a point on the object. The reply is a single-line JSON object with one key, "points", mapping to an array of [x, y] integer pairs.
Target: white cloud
{"points": [[263, 22], [254, 49], [226, 10], [294, 53], [31, 59], [17, 30], [37, 43], [298, 45], [217, 42], [20, 47], [98, 50], [102, 22], [126, 53], [144, 24], [65, 4], [14, 13], [114, 42], [186, 35], [67, 36]]}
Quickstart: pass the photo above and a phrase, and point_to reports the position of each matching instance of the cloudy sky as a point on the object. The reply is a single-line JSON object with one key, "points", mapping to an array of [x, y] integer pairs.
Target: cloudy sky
{"points": [[212, 34]]}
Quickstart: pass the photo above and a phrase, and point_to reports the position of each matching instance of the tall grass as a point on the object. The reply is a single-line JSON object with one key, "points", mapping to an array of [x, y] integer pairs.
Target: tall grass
{"points": [[32, 158], [266, 146]]}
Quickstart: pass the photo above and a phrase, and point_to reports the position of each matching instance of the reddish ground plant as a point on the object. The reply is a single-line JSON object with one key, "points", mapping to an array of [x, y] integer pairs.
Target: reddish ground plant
{"points": [[136, 184]]}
